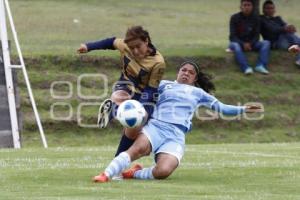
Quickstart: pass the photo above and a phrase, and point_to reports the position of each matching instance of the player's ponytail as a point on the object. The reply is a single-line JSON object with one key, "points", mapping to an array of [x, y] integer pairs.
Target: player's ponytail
{"points": [[137, 32], [203, 80]]}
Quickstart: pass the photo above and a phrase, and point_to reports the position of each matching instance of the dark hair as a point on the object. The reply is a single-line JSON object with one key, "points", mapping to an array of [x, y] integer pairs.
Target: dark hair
{"points": [[203, 80], [251, 1], [137, 32], [268, 2]]}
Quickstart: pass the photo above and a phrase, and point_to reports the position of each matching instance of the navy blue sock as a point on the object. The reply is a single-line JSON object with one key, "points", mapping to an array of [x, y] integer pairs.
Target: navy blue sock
{"points": [[113, 113], [124, 145]]}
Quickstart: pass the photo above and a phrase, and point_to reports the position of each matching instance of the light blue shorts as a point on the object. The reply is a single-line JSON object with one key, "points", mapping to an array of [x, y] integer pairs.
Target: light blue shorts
{"points": [[165, 138]]}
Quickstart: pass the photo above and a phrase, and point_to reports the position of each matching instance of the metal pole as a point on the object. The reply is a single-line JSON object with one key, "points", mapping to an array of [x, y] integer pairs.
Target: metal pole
{"points": [[37, 117], [9, 79]]}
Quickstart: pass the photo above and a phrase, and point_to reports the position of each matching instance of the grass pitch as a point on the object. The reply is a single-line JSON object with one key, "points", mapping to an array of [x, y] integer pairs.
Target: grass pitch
{"points": [[177, 27], [248, 171]]}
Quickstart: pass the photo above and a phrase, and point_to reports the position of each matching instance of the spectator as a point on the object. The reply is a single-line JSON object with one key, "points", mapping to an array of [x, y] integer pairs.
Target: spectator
{"points": [[244, 37], [278, 32]]}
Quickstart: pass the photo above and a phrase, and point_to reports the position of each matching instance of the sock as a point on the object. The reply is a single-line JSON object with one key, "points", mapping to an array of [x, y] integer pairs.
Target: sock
{"points": [[113, 112], [118, 164], [145, 173], [124, 145]]}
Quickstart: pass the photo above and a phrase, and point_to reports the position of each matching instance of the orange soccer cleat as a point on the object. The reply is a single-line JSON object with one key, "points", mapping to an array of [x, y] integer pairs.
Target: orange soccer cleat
{"points": [[127, 174], [101, 178]]}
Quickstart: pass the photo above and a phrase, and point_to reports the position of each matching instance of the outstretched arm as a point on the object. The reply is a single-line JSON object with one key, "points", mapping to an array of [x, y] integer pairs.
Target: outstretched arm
{"points": [[235, 110], [101, 44], [227, 109]]}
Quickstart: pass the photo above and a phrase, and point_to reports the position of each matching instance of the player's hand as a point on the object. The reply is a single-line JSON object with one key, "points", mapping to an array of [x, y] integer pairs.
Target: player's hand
{"points": [[247, 46], [82, 49], [253, 108]]}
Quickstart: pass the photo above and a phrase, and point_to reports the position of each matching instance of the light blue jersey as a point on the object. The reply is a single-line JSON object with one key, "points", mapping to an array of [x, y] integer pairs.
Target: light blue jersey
{"points": [[178, 102], [173, 113]]}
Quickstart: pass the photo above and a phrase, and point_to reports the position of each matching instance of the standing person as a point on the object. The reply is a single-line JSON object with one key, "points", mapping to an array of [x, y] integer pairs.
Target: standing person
{"points": [[142, 69], [244, 37], [277, 31], [164, 134]]}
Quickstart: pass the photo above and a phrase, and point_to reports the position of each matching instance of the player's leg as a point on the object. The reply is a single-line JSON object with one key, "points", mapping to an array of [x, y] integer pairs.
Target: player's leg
{"points": [[140, 148], [104, 113], [169, 152], [109, 107], [168, 156], [128, 135], [165, 166]]}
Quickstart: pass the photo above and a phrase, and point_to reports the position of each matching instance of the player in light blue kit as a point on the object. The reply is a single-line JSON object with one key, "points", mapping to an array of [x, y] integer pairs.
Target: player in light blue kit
{"points": [[164, 134]]}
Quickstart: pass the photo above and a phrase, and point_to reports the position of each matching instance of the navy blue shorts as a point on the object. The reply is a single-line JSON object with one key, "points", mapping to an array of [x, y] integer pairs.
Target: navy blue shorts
{"points": [[124, 86]]}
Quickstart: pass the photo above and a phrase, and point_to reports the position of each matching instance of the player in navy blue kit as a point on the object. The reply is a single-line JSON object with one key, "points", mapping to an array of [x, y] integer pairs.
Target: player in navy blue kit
{"points": [[142, 69], [164, 134]]}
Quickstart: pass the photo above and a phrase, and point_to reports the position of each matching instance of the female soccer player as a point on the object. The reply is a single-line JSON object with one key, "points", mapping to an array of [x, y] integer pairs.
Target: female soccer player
{"points": [[142, 70], [164, 134]]}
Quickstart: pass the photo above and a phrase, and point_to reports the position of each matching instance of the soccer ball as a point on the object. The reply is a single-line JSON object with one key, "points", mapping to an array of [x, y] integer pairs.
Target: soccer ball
{"points": [[131, 113]]}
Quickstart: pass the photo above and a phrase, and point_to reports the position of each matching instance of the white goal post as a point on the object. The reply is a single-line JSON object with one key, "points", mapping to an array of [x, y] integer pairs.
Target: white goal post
{"points": [[5, 11]]}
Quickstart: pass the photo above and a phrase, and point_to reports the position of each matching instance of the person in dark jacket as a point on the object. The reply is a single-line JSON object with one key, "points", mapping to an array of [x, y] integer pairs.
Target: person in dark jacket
{"points": [[244, 37], [277, 31]]}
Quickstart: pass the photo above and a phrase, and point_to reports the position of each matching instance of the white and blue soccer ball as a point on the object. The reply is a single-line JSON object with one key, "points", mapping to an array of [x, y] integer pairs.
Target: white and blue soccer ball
{"points": [[131, 113]]}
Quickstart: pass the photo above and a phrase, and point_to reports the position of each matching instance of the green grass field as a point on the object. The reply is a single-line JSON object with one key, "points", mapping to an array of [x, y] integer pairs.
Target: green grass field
{"points": [[182, 28], [221, 172], [279, 93], [49, 33]]}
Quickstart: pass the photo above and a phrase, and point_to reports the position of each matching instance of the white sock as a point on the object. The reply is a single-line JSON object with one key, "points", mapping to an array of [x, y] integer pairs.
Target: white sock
{"points": [[145, 173], [118, 164]]}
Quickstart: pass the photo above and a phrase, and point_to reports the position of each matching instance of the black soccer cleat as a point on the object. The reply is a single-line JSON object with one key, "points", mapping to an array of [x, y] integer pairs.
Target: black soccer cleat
{"points": [[105, 110]]}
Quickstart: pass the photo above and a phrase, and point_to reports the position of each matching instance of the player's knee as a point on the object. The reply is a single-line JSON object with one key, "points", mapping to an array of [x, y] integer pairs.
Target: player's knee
{"points": [[119, 96], [132, 133], [138, 151], [162, 172]]}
